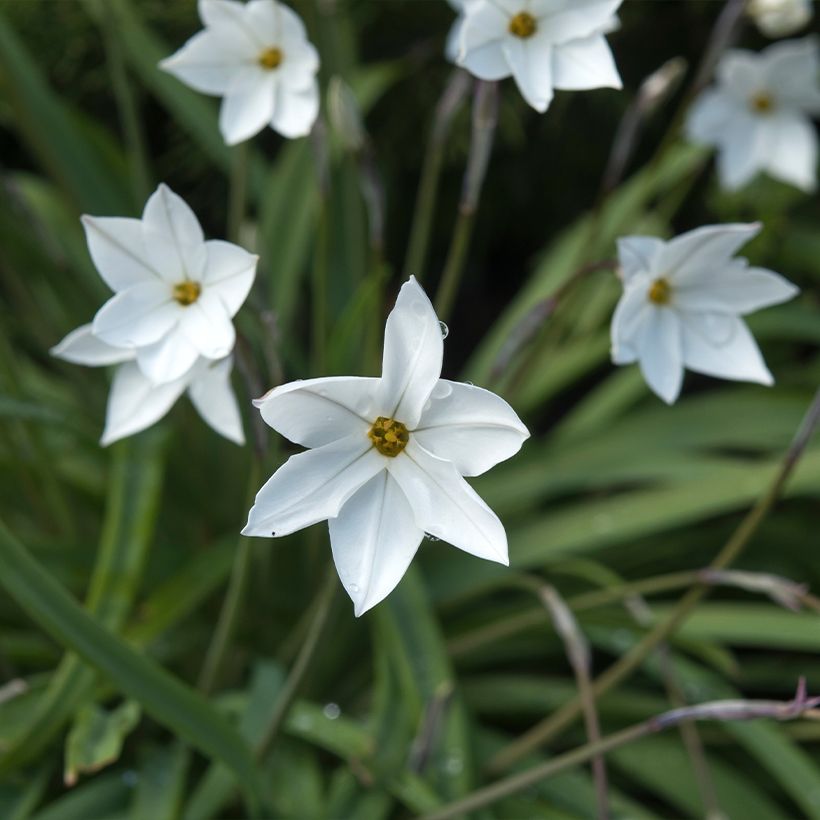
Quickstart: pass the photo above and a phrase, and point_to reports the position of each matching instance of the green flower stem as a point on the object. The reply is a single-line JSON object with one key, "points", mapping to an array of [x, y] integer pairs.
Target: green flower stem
{"points": [[237, 191], [485, 118], [448, 106], [632, 660]]}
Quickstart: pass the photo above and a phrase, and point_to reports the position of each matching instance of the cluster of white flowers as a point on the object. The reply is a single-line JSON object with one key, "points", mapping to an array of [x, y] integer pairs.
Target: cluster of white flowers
{"points": [[387, 456]]}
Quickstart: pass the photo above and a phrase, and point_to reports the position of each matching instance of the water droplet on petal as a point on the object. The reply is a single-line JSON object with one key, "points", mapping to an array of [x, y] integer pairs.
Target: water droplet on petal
{"points": [[354, 587], [445, 331], [331, 711], [441, 390], [431, 537]]}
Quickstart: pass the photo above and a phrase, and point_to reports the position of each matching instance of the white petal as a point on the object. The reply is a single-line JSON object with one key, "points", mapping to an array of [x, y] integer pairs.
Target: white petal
{"points": [[484, 23], [295, 111], [743, 152], [701, 252], [313, 486], [661, 358], [741, 72], [228, 17], [792, 68], [793, 156], [318, 411], [229, 272], [117, 247], [472, 427], [274, 21], [738, 358], [373, 539], [212, 395], [565, 20], [446, 506], [709, 117], [207, 325], [211, 60], [247, 110], [173, 236], [413, 350], [453, 44], [736, 289], [629, 321], [639, 254], [531, 61], [299, 66], [140, 315], [168, 359], [583, 64], [81, 346], [134, 403], [487, 62]]}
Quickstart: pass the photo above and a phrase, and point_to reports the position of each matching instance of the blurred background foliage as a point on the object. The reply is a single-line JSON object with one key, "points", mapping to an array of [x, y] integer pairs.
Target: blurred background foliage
{"points": [[417, 703]]}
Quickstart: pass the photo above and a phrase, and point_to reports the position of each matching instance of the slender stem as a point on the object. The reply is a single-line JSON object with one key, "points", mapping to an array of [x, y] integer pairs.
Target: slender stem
{"points": [[321, 610], [725, 710], [448, 106], [485, 118], [237, 191], [628, 663]]}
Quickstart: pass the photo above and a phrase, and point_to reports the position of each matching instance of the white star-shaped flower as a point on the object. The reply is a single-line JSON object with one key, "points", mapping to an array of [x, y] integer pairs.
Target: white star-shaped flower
{"points": [[779, 18], [257, 57], [543, 44], [758, 115], [175, 293], [387, 459], [135, 403], [682, 304]]}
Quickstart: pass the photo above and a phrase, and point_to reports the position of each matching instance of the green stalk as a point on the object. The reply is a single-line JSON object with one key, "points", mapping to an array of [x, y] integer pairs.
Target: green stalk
{"points": [[237, 192]]}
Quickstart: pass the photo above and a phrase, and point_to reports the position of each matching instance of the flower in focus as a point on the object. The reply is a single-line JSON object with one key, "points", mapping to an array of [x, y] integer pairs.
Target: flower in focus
{"points": [[387, 458], [779, 18], [758, 116], [135, 403], [543, 44], [175, 293], [682, 304], [257, 57]]}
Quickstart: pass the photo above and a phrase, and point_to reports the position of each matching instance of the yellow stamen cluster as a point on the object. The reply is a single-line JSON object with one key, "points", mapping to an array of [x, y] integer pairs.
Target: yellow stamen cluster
{"points": [[187, 292], [271, 58], [762, 103], [523, 25], [389, 436], [659, 292]]}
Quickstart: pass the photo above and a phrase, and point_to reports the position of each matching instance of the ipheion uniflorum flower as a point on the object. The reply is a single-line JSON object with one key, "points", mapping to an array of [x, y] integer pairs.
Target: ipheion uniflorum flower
{"points": [[387, 458]]}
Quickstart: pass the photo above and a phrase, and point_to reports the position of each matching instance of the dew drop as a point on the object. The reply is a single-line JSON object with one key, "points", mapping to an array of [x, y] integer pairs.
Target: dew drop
{"points": [[442, 390], [445, 331], [331, 711], [431, 537], [354, 587], [454, 765], [322, 391]]}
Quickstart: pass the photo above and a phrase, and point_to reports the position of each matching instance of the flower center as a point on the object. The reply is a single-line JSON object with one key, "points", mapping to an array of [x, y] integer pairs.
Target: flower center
{"points": [[659, 292], [523, 25], [271, 58], [187, 292], [762, 102], [389, 436]]}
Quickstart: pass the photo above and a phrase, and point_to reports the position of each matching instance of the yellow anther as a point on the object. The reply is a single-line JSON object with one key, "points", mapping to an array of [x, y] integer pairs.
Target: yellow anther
{"points": [[659, 292], [762, 102], [523, 25], [389, 436], [187, 292], [271, 58]]}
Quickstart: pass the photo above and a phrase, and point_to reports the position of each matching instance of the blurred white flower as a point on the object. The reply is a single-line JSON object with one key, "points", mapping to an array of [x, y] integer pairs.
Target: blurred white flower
{"points": [[175, 293], [758, 115], [135, 403], [779, 18], [543, 44], [682, 304], [388, 458], [257, 57]]}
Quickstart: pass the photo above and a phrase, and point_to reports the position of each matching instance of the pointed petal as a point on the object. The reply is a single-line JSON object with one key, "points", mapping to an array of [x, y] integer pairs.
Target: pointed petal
{"points": [[117, 248], [229, 272], [565, 20], [81, 346], [472, 427], [319, 411], [247, 110], [168, 359], [639, 254], [793, 158], [212, 395], [792, 67], [207, 325], [710, 115], [295, 111], [274, 21], [446, 506], [629, 322], [583, 64], [373, 539], [744, 151], [484, 23], [531, 61], [228, 18], [737, 358], [134, 403], [140, 315], [741, 72], [313, 486], [174, 240], [661, 357], [413, 350]]}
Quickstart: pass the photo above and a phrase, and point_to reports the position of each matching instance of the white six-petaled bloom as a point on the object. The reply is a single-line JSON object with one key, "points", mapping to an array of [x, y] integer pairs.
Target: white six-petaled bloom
{"points": [[758, 115], [779, 18], [387, 458], [543, 44], [257, 57], [682, 306]]}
